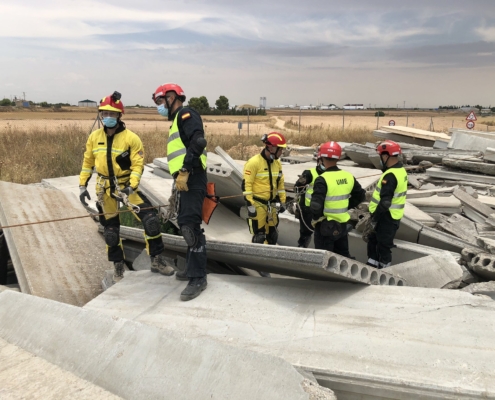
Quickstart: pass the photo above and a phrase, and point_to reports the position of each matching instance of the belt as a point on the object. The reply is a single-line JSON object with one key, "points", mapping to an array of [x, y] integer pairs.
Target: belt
{"points": [[111, 177]]}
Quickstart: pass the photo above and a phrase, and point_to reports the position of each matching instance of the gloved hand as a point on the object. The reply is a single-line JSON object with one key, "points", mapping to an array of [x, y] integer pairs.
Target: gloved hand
{"points": [[83, 193], [128, 190], [181, 180], [282, 208], [252, 213]]}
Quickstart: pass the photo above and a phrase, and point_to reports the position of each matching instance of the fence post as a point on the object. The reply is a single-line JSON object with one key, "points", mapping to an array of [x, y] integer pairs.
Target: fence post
{"points": [[299, 120], [343, 120], [248, 121]]}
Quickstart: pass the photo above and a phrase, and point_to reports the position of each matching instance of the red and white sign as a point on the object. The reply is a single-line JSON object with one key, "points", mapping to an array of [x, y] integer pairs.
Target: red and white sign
{"points": [[391, 123], [471, 117], [470, 124]]}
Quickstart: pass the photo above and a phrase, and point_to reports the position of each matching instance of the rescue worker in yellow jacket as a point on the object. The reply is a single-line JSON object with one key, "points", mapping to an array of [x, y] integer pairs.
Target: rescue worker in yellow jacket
{"points": [[387, 205], [263, 189], [335, 192], [118, 157]]}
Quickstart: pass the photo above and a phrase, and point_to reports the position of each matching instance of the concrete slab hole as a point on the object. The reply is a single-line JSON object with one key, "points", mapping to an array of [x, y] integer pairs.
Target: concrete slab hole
{"points": [[364, 273], [391, 282], [383, 279], [344, 266], [476, 259], [354, 270], [486, 262], [332, 263], [374, 278], [400, 283]]}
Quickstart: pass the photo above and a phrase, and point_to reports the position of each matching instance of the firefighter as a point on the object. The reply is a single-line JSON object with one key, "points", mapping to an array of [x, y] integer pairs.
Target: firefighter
{"points": [[303, 212], [335, 192], [263, 189], [187, 163], [118, 157], [387, 205]]}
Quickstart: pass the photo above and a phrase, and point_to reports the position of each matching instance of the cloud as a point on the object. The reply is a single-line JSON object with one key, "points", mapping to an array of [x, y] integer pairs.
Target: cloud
{"points": [[487, 33]]}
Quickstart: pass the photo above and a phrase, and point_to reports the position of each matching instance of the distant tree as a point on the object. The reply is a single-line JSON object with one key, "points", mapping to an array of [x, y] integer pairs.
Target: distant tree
{"points": [[379, 114], [200, 104], [45, 104], [222, 103], [478, 107], [5, 102]]}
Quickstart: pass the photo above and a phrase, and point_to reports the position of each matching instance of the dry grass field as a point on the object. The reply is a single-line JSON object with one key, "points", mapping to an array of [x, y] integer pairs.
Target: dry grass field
{"points": [[45, 143]]}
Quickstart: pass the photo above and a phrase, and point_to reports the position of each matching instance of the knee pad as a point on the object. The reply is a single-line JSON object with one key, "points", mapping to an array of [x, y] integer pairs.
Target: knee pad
{"points": [[111, 235], [189, 235], [272, 237], [259, 238], [151, 224]]}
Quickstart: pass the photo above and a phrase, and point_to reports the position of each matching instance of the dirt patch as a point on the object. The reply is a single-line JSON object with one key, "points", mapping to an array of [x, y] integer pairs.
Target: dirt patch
{"points": [[241, 152]]}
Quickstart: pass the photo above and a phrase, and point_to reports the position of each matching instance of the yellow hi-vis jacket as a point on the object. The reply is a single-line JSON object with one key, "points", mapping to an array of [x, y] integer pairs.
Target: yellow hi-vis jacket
{"points": [[339, 188], [400, 192], [176, 150], [121, 155], [311, 187], [263, 180]]}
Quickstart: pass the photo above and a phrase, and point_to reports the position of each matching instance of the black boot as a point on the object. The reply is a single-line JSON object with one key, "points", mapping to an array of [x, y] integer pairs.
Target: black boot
{"points": [[181, 276], [193, 288]]}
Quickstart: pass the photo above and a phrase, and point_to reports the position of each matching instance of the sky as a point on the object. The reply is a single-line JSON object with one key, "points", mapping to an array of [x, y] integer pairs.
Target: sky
{"points": [[378, 52]]}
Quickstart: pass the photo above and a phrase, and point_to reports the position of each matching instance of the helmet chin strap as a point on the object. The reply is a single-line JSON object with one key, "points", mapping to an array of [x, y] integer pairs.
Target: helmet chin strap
{"points": [[169, 107], [384, 163]]}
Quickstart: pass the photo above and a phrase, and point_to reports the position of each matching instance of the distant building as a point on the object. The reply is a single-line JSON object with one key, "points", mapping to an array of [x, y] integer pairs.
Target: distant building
{"points": [[22, 103], [353, 107], [87, 103]]}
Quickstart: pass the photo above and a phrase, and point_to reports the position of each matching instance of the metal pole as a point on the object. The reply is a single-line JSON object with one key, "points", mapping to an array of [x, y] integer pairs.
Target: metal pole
{"points": [[343, 120], [377, 118], [299, 119], [248, 121], [407, 118]]}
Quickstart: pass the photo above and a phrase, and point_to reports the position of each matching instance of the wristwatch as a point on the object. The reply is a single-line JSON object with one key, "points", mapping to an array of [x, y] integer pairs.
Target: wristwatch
{"points": [[183, 170]]}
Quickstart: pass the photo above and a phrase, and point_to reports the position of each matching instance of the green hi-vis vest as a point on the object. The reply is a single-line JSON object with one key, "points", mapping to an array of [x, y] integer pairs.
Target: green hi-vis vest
{"points": [[176, 151], [339, 188], [399, 199], [311, 187]]}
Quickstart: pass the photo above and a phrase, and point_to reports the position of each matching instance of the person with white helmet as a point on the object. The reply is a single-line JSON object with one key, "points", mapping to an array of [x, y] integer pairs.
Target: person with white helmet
{"points": [[387, 205], [263, 189], [335, 192], [186, 157], [117, 154]]}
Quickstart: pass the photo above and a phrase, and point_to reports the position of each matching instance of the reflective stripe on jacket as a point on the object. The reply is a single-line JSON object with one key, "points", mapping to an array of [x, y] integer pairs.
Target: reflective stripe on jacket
{"points": [[124, 151], [311, 187], [263, 180], [176, 150], [339, 188], [399, 200]]}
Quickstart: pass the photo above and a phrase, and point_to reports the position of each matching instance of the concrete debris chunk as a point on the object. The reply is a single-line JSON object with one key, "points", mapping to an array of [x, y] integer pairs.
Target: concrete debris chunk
{"points": [[461, 227], [471, 141], [433, 271], [481, 167], [489, 154], [443, 173], [413, 181], [435, 204], [484, 265], [487, 244], [473, 208], [485, 288]]}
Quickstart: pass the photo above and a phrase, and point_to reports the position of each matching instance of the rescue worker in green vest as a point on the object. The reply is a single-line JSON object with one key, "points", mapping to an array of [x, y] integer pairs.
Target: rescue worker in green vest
{"points": [[335, 192], [387, 205], [186, 156], [263, 189], [117, 155], [306, 182]]}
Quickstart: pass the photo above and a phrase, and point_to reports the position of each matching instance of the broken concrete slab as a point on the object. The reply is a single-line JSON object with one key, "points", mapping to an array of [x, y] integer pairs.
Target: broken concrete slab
{"points": [[283, 260], [470, 141], [413, 181], [433, 271], [70, 184], [484, 288], [484, 265], [401, 346], [123, 356], [443, 173], [63, 261], [408, 132], [23, 375], [384, 135], [472, 207], [487, 244], [489, 154], [435, 204], [481, 167], [417, 194], [360, 154], [442, 240], [461, 227]]}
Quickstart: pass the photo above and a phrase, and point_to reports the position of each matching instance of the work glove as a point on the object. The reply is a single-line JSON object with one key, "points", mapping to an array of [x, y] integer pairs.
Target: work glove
{"points": [[252, 213], [83, 193], [128, 190], [181, 180], [282, 208]]}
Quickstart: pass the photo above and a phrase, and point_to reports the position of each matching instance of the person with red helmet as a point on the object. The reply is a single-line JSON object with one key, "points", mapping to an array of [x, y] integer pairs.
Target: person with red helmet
{"points": [[305, 185], [186, 156], [263, 189], [387, 205], [117, 154], [335, 192]]}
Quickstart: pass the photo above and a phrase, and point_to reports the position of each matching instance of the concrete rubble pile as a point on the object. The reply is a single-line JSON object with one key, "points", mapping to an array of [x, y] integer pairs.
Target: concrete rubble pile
{"points": [[323, 327]]}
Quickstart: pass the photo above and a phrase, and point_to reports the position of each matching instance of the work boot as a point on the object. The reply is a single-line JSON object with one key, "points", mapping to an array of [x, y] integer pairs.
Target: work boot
{"points": [[159, 264], [264, 274], [118, 272], [193, 288], [182, 275]]}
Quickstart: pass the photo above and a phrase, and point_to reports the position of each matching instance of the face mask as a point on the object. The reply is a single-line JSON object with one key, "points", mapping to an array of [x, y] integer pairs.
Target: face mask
{"points": [[109, 122], [322, 167], [162, 110]]}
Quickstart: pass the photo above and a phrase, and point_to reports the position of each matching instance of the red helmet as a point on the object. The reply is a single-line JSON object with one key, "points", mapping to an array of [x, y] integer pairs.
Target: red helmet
{"points": [[330, 150], [162, 90], [389, 147], [274, 139], [110, 103]]}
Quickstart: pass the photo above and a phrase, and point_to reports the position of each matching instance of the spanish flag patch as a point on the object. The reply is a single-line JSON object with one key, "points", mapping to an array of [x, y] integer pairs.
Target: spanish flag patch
{"points": [[384, 182], [186, 116]]}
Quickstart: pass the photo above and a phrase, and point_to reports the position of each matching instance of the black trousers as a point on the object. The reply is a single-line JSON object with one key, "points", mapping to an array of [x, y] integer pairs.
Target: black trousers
{"points": [[381, 242], [304, 226], [116, 253], [190, 213], [339, 246]]}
